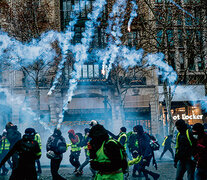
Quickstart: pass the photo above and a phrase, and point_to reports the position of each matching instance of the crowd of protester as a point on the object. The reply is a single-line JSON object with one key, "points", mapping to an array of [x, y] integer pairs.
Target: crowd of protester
{"points": [[108, 155]]}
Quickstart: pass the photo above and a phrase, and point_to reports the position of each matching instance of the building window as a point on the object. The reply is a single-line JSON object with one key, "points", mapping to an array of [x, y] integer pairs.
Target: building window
{"points": [[200, 61], [188, 19], [158, 1], [186, 1], [179, 21], [191, 63], [132, 38], [171, 59], [78, 34], [84, 7], [89, 71], [170, 40], [180, 37], [181, 58], [159, 37]]}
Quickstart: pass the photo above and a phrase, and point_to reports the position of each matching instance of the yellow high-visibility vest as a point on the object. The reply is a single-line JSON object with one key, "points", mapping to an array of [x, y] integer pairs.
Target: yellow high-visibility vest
{"points": [[188, 137], [5, 145], [38, 139]]}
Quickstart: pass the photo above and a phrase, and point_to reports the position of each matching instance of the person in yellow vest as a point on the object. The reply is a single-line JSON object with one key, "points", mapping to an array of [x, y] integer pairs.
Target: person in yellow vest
{"points": [[185, 146], [4, 149], [167, 146], [105, 155], [38, 139], [122, 137], [75, 149], [28, 151], [84, 144]]}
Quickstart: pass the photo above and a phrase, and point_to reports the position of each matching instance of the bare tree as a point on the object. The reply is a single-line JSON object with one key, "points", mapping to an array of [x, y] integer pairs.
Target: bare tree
{"points": [[177, 31], [25, 20]]}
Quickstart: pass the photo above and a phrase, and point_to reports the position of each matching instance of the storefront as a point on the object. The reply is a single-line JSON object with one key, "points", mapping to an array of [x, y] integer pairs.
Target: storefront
{"points": [[191, 114], [185, 104], [184, 110]]}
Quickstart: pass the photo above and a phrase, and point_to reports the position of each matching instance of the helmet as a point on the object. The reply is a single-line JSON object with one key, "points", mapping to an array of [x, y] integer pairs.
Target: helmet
{"points": [[93, 123], [50, 154], [30, 132]]}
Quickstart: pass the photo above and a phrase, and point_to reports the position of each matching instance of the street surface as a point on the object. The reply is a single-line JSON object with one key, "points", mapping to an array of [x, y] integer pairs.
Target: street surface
{"points": [[165, 168]]}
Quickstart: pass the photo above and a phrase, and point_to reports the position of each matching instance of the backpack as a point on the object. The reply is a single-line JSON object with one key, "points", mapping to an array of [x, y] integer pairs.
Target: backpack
{"points": [[80, 144], [60, 146], [153, 143], [124, 162]]}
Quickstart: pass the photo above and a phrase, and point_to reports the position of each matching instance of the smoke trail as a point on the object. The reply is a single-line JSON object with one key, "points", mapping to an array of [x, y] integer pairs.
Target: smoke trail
{"points": [[133, 13], [131, 57], [17, 101], [164, 69], [65, 45], [26, 54], [114, 28], [203, 103], [186, 12], [81, 50]]}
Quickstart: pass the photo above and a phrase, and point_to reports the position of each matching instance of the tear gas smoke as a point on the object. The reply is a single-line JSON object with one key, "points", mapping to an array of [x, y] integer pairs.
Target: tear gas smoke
{"points": [[133, 14], [114, 53]]}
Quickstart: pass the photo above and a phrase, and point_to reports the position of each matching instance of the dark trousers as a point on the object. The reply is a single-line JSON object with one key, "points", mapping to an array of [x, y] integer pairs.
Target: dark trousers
{"points": [[24, 171], [136, 167], [39, 170], [165, 150], [146, 172], [201, 174], [55, 165], [85, 163], [182, 167], [4, 169], [15, 160], [74, 159]]}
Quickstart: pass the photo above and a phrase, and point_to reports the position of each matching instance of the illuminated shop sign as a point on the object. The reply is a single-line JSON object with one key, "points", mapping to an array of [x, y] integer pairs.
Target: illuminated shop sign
{"points": [[187, 117]]}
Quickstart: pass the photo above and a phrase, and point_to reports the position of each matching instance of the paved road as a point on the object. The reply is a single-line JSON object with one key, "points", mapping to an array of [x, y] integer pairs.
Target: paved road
{"points": [[165, 168]]}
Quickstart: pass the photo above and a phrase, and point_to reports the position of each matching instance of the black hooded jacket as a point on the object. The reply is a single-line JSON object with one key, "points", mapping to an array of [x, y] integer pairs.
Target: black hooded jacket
{"points": [[99, 135], [13, 135], [27, 149], [52, 143], [184, 151]]}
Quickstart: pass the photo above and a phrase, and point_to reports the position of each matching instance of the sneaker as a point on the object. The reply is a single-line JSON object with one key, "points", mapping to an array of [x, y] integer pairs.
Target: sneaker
{"points": [[79, 173], [155, 177], [5, 172]]}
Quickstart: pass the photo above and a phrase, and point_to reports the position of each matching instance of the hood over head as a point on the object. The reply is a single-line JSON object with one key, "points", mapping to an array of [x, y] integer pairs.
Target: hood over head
{"points": [[57, 132], [138, 129], [71, 131], [181, 125], [97, 132], [198, 129]]}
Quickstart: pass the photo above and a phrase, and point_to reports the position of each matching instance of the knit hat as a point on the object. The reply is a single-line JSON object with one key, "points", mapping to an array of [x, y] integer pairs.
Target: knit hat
{"points": [[123, 129]]}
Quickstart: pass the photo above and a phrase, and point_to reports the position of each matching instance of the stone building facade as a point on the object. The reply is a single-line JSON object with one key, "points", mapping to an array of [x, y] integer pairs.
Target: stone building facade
{"points": [[95, 98]]}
